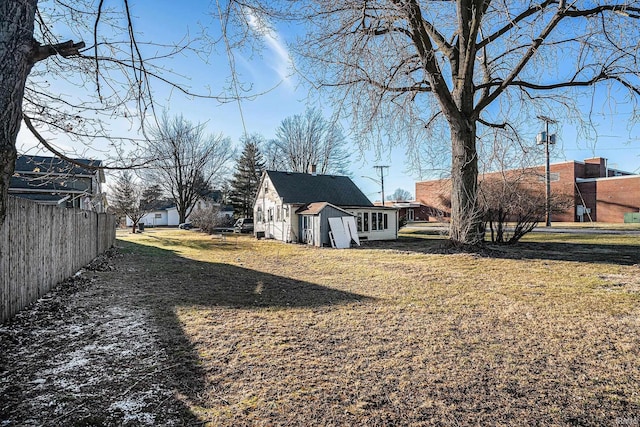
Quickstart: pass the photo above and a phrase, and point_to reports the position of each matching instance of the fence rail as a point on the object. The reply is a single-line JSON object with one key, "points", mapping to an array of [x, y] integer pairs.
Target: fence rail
{"points": [[42, 245]]}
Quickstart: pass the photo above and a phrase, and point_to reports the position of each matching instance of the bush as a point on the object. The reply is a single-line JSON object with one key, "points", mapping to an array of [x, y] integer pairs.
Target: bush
{"points": [[208, 219], [511, 209]]}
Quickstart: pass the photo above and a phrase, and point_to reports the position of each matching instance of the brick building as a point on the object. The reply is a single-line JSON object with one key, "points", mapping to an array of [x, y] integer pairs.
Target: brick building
{"points": [[595, 191], [413, 211]]}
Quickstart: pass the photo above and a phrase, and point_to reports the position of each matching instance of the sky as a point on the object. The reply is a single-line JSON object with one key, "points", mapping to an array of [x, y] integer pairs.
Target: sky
{"points": [[286, 95]]}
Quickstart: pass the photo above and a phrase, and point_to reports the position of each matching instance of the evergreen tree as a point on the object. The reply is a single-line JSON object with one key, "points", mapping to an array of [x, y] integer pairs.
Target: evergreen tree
{"points": [[125, 198], [152, 198], [246, 178]]}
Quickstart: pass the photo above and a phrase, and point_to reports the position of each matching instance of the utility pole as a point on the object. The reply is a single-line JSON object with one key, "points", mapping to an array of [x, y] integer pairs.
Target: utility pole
{"points": [[381, 168], [547, 139]]}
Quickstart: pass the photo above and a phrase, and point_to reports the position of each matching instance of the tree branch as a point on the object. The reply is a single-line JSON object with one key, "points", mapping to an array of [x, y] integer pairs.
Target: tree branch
{"points": [[486, 100], [514, 22], [65, 49], [48, 146]]}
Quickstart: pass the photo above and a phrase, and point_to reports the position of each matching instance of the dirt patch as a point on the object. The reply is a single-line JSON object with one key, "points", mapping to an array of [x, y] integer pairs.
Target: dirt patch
{"points": [[86, 355]]}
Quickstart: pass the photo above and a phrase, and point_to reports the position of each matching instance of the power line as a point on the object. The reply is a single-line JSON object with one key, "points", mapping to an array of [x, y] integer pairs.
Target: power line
{"points": [[381, 168]]}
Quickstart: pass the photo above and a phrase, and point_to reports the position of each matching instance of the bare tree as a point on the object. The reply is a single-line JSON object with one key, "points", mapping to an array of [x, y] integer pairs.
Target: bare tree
{"points": [[209, 218], [474, 65], [80, 89], [127, 198], [185, 161], [400, 195], [512, 205], [309, 139]]}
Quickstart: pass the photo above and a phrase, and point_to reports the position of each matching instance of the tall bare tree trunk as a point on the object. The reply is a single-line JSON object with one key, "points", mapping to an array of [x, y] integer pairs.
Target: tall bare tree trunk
{"points": [[16, 59], [466, 223]]}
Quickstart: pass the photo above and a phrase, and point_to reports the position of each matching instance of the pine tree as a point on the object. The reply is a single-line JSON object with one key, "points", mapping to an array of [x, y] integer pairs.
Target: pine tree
{"points": [[246, 178], [125, 198]]}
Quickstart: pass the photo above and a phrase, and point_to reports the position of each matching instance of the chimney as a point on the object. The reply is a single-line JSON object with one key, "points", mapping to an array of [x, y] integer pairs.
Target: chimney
{"points": [[312, 170]]}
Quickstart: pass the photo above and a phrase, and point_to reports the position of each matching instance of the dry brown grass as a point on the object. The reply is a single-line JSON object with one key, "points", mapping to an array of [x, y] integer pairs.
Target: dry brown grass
{"points": [[190, 329], [401, 333]]}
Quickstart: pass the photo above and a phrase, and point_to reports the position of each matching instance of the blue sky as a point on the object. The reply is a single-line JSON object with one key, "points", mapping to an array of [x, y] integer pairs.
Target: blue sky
{"points": [[166, 21]]}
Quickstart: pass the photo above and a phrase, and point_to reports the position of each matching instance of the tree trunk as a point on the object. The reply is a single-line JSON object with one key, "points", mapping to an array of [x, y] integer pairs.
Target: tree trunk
{"points": [[466, 221], [16, 59], [182, 213]]}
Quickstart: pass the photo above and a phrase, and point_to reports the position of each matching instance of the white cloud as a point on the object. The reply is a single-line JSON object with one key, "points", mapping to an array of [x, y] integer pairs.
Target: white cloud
{"points": [[281, 62]]}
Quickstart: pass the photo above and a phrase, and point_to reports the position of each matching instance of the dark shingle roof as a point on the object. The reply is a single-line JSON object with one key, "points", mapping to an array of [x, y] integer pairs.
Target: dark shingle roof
{"points": [[53, 165], [51, 175], [305, 188]]}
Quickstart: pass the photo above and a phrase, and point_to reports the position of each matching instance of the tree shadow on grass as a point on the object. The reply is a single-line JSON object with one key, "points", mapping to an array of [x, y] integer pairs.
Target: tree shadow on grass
{"points": [[577, 252], [589, 252], [163, 282]]}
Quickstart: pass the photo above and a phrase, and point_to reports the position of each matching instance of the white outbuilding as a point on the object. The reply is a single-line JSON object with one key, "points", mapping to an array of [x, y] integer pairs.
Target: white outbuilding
{"points": [[320, 210]]}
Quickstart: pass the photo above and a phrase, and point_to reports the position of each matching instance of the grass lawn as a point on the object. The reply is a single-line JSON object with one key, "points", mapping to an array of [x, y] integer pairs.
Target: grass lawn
{"points": [[396, 333]]}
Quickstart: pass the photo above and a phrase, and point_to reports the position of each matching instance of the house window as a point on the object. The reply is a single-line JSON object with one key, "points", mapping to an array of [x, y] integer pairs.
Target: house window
{"points": [[359, 221], [259, 214], [278, 213], [270, 214], [379, 221], [365, 221], [158, 216]]}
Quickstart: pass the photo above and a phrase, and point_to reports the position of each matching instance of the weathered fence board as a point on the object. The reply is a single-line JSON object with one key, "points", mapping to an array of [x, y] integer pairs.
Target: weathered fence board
{"points": [[42, 245]]}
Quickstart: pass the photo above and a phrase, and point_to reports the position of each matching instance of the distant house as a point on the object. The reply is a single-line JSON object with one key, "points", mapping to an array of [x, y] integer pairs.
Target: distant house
{"points": [[54, 181], [156, 218], [168, 215], [318, 210]]}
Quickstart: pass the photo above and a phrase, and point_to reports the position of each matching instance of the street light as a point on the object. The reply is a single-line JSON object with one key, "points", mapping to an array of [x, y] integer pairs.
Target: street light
{"points": [[546, 139], [381, 182], [382, 179]]}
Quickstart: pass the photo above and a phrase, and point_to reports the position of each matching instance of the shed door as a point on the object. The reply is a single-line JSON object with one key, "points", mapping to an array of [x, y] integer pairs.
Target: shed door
{"points": [[307, 229]]}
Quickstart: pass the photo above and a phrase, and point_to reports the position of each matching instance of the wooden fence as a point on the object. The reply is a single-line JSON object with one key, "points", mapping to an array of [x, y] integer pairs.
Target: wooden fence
{"points": [[42, 245]]}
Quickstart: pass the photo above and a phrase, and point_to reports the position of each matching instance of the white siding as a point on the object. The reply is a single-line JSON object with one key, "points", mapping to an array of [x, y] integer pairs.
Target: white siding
{"points": [[272, 217], [173, 219], [156, 218], [378, 230]]}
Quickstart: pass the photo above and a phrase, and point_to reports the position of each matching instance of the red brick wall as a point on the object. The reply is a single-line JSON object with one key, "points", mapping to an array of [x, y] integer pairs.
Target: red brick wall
{"points": [[436, 194], [617, 196], [595, 168], [565, 187], [588, 192]]}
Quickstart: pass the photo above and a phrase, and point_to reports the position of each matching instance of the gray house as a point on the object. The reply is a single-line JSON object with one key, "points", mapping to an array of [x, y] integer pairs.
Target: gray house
{"points": [[54, 181], [319, 210]]}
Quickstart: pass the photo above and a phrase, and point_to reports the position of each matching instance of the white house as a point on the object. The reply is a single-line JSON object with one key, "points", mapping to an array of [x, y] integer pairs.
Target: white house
{"points": [[168, 215], [297, 207]]}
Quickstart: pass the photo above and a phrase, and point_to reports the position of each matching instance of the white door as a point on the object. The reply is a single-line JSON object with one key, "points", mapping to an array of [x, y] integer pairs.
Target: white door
{"points": [[307, 230]]}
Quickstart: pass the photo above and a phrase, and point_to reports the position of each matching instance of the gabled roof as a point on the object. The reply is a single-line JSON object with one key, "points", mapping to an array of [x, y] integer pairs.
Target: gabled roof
{"points": [[316, 208], [53, 165], [55, 176], [304, 188]]}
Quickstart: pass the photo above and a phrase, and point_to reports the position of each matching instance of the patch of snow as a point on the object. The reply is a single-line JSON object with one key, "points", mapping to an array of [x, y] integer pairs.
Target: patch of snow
{"points": [[133, 411]]}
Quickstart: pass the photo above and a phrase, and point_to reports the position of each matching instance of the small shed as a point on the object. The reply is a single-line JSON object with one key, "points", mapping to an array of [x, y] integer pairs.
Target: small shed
{"points": [[314, 224]]}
